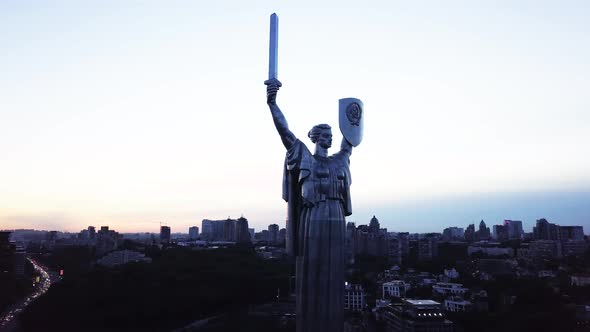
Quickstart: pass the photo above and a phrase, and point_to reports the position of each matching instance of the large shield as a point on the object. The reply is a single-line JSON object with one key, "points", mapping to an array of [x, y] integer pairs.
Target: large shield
{"points": [[351, 119]]}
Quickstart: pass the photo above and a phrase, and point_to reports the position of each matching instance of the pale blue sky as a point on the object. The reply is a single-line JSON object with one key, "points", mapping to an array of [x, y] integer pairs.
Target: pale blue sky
{"points": [[131, 113]]}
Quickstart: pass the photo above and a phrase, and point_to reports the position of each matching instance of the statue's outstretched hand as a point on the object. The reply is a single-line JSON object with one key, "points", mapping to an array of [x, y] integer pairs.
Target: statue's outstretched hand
{"points": [[272, 87]]}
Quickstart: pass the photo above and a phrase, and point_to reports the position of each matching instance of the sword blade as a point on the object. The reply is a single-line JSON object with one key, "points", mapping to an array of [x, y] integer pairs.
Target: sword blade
{"points": [[273, 50]]}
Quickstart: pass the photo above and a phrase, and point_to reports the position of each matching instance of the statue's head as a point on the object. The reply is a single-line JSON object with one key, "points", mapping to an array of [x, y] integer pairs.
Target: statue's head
{"points": [[322, 135]]}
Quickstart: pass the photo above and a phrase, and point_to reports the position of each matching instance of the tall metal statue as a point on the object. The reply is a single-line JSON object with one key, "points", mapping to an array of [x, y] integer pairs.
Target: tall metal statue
{"points": [[317, 189]]}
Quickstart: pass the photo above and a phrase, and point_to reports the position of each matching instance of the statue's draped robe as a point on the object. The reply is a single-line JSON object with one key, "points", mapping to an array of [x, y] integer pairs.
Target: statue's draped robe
{"points": [[317, 190]]}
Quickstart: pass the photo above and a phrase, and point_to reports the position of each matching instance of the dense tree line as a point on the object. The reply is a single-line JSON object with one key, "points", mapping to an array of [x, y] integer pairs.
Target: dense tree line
{"points": [[178, 287]]}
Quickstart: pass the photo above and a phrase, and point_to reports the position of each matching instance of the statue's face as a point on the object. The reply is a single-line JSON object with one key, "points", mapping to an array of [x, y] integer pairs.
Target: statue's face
{"points": [[325, 140]]}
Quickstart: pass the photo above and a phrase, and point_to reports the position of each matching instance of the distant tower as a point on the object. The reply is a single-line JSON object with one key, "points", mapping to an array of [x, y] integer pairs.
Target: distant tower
{"points": [[273, 233], [165, 234], [470, 233], [91, 232], [514, 229], [242, 230], [484, 232], [193, 233], [374, 225]]}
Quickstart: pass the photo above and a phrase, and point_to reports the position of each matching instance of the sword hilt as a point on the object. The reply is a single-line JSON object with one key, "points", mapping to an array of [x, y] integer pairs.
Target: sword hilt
{"points": [[273, 81]]}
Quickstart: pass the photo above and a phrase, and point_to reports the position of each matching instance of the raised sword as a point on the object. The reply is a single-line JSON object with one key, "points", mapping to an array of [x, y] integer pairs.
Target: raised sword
{"points": [[273, 48]]}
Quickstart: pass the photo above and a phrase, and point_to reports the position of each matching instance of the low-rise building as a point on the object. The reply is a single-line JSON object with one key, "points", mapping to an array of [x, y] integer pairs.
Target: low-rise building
{"points": [[416, 316], [457, 304], [448, 288], [396, 288]]}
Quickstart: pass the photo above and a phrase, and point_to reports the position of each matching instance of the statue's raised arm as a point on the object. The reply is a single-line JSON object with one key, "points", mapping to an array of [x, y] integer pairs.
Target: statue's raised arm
{"points": [[272, 87], [346, 147]]}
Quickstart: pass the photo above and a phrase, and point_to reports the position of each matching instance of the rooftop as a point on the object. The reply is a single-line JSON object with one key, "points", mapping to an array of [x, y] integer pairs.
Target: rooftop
{"points": [[422, 302]]}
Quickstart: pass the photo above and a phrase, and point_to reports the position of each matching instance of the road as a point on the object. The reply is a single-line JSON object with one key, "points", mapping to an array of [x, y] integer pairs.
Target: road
{"points": [[8, 321]]}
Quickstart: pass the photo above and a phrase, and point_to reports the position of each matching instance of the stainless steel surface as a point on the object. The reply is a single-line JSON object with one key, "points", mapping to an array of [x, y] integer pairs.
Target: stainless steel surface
{"points": [[351, 119], [273, 49]]}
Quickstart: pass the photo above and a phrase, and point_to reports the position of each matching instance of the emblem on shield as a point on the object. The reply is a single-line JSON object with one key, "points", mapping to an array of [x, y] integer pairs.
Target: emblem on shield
{"points": [[351, 120]]}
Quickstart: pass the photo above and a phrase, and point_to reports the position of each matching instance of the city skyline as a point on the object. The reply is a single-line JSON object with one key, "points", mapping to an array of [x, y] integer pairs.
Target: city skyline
{"points": [[118, 114]]}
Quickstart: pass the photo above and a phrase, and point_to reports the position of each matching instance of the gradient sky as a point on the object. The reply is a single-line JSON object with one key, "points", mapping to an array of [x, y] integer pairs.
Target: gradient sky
{"points": [[132, 113]]}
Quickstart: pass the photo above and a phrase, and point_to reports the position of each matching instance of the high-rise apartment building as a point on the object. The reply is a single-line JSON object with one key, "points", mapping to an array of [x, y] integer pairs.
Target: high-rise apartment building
{"points": [[273, 233], [193, 233], [501, 232], [231, 230], [164, 233], [514, 228]]}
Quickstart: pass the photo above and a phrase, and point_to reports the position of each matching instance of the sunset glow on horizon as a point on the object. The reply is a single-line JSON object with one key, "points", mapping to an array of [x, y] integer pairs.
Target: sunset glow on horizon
{"points": [[135, 114]]}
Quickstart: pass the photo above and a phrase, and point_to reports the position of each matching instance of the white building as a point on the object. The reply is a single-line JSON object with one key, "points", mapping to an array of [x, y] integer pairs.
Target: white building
{"points": [[395, 288], [447, 288], [457, 305], [354, 297]]}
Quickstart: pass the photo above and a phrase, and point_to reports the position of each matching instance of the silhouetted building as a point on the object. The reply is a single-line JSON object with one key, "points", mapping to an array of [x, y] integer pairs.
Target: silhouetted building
{"points": [[545, 230], [575, 233], [282, 235], [394, 249], [193, 233], [404, 238], [427, 247], [165, 234], [369, 239], [483, 232], [106, 240], [91, 232], [453, 234], [514, 229], [242, 233], [501, 233], [349, 242], [212, 230], [19, 261], [273, 233], [226, 230], [470, 233], [374, 225], [7, 251], [263, 235]]}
